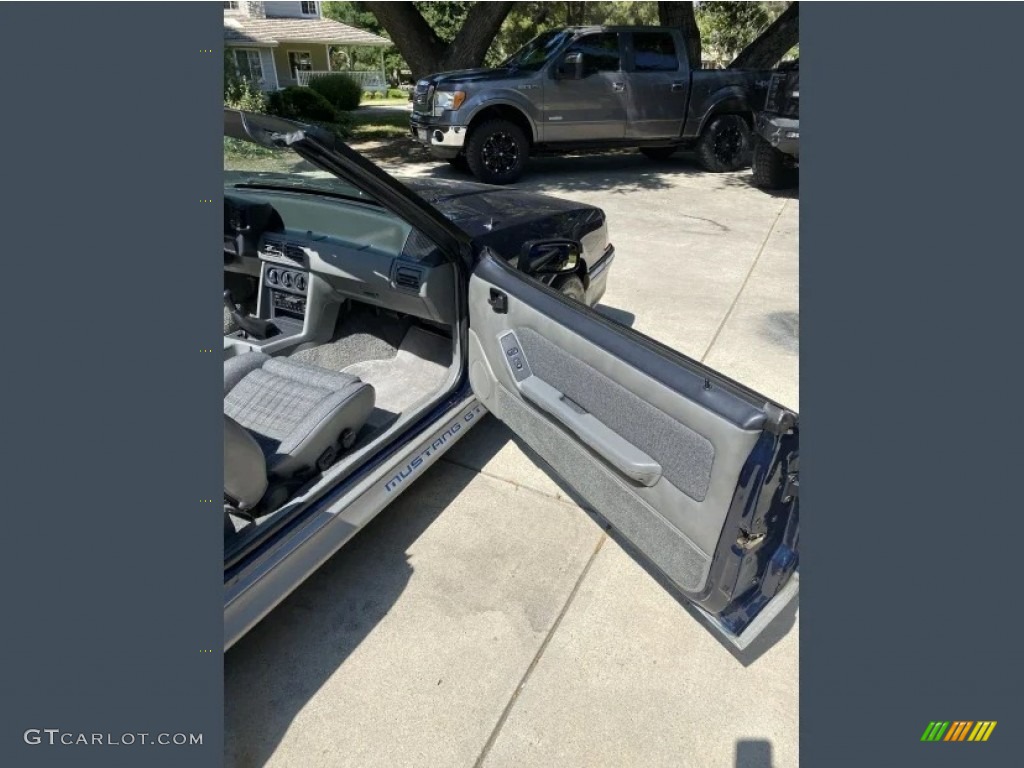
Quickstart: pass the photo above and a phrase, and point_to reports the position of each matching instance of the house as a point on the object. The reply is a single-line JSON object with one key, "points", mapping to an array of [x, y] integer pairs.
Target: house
{"points": [[277, 44]]}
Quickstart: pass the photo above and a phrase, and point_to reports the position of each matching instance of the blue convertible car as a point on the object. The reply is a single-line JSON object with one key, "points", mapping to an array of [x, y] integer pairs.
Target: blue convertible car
{"points": [[369, 324]]}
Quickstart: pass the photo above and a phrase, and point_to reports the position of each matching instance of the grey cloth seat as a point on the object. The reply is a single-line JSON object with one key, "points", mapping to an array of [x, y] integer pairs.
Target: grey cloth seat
{"points": [[245, 469], [299, 414]]}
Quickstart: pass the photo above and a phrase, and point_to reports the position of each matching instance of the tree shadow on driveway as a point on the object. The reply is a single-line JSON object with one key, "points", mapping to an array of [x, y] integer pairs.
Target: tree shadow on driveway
{"points": [[490, 436], [274, 670], [753, 753], [614, 171]]}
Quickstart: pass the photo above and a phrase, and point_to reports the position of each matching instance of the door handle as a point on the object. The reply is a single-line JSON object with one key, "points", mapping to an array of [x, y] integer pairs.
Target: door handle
{"points": [[498, 302], [678, 86], [618, 86]]}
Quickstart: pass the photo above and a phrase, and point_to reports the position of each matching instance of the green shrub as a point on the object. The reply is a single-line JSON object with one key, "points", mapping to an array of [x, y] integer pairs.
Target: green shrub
{"points": [[240, 93], [246, 98], [340, 90], [397, 93], [296, 103]]}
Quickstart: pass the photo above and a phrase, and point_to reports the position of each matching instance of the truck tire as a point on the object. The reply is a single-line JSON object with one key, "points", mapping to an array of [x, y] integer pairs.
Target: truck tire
{"points": [[771, 169], [497, 151], [725, 144], [658, 153], [459, 164]]}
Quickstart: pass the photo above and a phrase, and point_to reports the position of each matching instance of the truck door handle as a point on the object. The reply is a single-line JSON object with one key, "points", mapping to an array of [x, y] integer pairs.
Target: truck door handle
{"points": [[618, 86], [678, 86]]}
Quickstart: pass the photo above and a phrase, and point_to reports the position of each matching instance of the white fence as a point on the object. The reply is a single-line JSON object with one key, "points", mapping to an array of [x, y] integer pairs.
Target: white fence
{"points": [[372, 81]]}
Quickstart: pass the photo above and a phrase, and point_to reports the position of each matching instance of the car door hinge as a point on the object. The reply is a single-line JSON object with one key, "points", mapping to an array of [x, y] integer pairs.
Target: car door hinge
{"points": [[779, 421], [498, 302], [791, 487]]}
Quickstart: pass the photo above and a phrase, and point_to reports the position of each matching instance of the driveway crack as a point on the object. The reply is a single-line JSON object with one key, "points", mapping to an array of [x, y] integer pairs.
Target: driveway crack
{"points": [[743, 285], [496, 731]]}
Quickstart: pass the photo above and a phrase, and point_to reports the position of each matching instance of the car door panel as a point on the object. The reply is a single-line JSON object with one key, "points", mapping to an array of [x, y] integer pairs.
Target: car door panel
{"points": [[651, 443]]}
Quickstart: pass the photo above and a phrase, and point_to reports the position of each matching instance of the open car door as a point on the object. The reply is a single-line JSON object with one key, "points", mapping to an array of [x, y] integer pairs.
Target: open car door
{"points": [[697, 472]]}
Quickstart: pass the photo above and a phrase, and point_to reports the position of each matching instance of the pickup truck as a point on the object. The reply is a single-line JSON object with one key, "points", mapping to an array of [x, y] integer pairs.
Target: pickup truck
{"points": [[777, 131], [580, 88]]}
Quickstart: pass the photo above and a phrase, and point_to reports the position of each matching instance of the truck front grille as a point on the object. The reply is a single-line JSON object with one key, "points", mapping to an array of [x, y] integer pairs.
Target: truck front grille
{"points": [[422, 97]]}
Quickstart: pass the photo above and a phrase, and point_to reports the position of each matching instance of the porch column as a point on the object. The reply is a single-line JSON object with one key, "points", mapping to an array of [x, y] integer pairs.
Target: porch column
{"points": [[328, 49]]}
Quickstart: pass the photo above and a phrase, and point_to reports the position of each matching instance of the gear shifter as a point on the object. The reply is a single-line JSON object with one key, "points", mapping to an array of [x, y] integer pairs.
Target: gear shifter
{"points": [[251, 326]]}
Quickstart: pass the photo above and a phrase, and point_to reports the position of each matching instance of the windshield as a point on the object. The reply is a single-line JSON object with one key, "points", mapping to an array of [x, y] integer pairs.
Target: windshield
{"points": [[535, 53], [249, 163]]}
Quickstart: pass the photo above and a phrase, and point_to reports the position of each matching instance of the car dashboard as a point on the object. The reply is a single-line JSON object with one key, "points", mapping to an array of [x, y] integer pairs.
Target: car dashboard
{"points": [[307, 251]]}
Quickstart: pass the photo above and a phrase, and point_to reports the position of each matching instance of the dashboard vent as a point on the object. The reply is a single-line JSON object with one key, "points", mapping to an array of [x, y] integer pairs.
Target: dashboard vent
{"points": [[295, 253], [408, 278], [273, 248]]}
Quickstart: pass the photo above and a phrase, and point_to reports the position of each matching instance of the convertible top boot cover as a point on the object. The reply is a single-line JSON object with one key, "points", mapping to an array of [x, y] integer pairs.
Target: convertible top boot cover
{"points": [[245, 469], [299, 414]]}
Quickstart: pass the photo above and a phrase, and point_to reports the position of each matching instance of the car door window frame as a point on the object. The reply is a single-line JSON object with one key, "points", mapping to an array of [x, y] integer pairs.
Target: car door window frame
{"points": [[619, 39], [629, 59]]}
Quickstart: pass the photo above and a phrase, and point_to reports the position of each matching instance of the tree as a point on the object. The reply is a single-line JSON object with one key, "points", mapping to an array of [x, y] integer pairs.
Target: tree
{"points": [[772, 44], [673, 14], [421, 44]]}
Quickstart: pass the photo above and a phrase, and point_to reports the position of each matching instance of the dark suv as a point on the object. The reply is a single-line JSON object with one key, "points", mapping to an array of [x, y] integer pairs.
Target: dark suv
{"points": [[777, 141]]}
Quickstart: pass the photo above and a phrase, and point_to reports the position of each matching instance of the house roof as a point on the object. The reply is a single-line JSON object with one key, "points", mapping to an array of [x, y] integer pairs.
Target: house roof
{"points": [[271, 32]]}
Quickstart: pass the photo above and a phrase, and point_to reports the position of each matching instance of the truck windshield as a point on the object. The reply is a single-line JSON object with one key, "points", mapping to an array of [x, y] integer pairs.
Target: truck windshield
{"points": [[533, 55]]}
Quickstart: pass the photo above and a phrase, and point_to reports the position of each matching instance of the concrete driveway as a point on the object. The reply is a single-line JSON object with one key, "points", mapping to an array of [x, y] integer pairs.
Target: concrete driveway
{"points": [[486, 619]]}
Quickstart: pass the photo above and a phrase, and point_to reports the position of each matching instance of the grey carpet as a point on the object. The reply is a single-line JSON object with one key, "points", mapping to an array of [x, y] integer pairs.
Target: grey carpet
{"points": [[410, 377], [361, 335]]}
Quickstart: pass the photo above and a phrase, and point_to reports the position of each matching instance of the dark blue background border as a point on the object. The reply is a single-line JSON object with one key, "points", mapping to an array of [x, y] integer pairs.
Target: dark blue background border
{"points": [[111, 130], [911, 274], [911, 279]]}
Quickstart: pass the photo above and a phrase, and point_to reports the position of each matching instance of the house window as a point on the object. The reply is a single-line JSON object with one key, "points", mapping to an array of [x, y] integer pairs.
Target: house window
{"points": [[232, 6], [299, 61], [310, 9], [247, 60]]}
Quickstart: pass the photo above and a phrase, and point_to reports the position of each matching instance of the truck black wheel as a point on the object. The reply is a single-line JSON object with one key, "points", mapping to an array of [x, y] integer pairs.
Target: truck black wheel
{"points": [[459, 164], [725, 144], [497, 152], [572, 287], [772, 169], [658, 153]]}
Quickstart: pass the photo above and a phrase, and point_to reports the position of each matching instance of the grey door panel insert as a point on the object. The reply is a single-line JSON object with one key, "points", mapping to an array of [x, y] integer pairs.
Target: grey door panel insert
{"points": [[620, 453], [573, 394]]}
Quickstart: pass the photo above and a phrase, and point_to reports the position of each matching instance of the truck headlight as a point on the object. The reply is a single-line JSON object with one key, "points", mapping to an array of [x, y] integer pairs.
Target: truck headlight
{"points": [[447, 100]]}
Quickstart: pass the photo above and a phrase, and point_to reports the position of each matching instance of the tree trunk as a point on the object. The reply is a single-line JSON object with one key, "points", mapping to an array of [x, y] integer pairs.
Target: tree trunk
{"points": [[481, 26], [680, 14], [772, 44], [424, 51]]}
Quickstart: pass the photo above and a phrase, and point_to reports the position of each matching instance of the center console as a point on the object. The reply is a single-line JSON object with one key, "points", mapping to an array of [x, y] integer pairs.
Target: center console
{"points": [[283, 303]]}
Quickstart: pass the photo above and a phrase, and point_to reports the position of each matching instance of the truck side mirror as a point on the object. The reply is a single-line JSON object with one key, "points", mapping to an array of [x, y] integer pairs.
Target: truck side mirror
{"points": [[549, 257], [571, 67]]}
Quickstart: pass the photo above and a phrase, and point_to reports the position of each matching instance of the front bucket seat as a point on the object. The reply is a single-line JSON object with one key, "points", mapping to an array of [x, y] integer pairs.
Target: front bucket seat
{"points": [[301, 416]]}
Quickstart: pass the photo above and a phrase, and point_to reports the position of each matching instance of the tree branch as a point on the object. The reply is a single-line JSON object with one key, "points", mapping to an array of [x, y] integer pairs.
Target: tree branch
{"points": [[420, 46], [772, 44], [476, 35]]}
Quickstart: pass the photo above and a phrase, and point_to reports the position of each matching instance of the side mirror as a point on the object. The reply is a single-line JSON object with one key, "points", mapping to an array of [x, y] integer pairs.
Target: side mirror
{"points": [[571, 67], [550, 257]]}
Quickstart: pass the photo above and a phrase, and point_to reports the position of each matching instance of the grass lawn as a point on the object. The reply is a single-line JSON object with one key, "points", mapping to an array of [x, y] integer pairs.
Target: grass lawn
{"points": [[367, 126], [389, 102]]}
